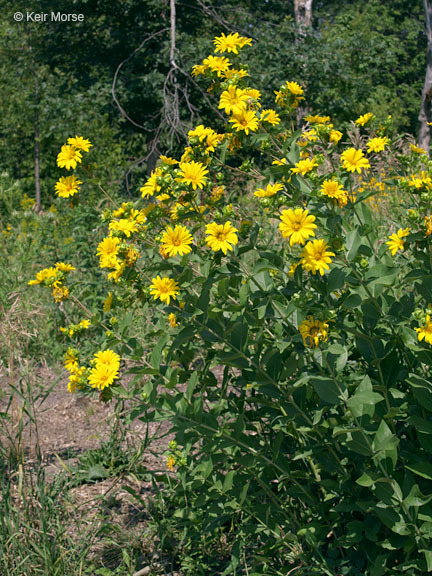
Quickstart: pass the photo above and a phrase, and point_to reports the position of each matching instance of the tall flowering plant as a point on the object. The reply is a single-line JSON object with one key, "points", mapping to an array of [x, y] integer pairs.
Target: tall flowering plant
{"points": [[282, 325]]}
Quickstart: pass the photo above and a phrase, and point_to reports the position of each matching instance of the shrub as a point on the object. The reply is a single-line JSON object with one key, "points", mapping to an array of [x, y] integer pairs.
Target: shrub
{"points": [[282, 327]]}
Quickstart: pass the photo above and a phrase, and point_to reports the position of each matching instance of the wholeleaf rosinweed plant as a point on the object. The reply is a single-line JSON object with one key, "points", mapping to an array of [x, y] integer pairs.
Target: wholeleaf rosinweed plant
{"points": [[282, 328]]}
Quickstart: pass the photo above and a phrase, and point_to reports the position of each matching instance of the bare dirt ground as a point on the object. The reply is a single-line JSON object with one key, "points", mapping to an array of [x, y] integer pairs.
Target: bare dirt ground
{"points": [[56, 427]]}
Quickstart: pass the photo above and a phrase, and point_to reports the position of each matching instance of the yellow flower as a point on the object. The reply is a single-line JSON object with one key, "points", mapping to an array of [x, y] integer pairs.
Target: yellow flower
{"points": [[221, 236], [172, 320], [68, 157], [67, 186], [246, 120], [232, 73], [316, 257], [417, 149], [151, 186], [217, 64], [354, 160], [117, 273], [108, 302], [425, 331], [395, 242], [168, 161], [377, 144], [297, 225], [176, 241], [253, 93], [59, 291], [233, 100], [315, 119], [193, 173], [313, 331], [428, 224], [332, 189], [105, 370], [108, 250], [126, 226], [270, 190], [164, 288], [231, 43], [304, 166], [420, 180], [64, 267], [170, 463], [45, 274], [80, 143], [270, 116], [364, 119], [294, 88], [335, 136], [70, 359], [198, 69]]}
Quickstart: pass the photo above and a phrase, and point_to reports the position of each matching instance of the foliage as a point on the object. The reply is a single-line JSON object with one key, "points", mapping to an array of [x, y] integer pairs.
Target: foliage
{"points": [[290, 345]]}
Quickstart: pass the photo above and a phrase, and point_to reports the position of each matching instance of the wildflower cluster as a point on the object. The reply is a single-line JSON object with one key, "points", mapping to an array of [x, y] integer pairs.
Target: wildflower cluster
{"points": [[54, 279], [69, 157]]}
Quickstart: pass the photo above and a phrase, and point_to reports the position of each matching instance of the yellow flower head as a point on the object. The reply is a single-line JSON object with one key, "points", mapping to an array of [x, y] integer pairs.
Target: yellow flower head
{"points": [[246, 120], [395, 242], [315, 119], [335, 136], [64, 267], [126, 226], [217, 64], [172, 320], [108, 302], [176, 241], [151, 187], [294, 88], [270, 116], [49, 274], [297, 225], [164, 288], [108, 250], [425, 331], [417, 149], [105, 370], [67, 186], [316, 257], [221, 236], [304, 166], [193, 173], [332, 189], [68, 157], [233, 100], [80, 143], [354, 160], [377, 144], [364, 119], [270, 190], [168, 161], [231, 43], [313, 331]]}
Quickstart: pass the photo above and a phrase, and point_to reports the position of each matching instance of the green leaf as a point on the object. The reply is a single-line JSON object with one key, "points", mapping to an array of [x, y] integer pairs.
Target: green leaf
{"points": [[337, 356], [364, 400], [328, 390], [421, 468], [385, 444], [156, 355], [422, 390]]}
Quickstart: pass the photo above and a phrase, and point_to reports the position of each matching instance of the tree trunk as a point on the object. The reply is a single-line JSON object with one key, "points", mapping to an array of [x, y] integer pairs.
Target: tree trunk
{"points": [[303, 14], [303, 20], [425, 108]]}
